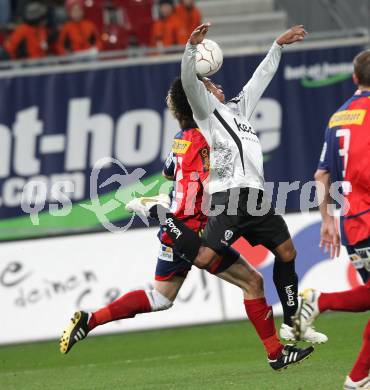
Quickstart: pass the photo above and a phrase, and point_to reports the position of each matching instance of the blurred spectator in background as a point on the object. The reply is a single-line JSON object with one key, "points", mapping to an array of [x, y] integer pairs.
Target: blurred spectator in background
{"points": [[168, 29], [4, 12], [29, 39], [56, 13], [115, 28], [57, 16], [189, 15], [78, 34]]}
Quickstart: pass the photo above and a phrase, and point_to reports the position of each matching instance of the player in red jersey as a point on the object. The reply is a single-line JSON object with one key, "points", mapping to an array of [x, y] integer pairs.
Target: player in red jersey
{"points": [[188, 164], [346, 159]]}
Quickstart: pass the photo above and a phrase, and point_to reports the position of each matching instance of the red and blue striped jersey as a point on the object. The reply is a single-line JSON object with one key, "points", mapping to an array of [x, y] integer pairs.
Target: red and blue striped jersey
{"points": [[188, 164], [346, 155]]}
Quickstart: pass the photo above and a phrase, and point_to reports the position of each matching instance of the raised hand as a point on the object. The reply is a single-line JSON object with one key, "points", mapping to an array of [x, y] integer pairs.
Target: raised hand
{"points": [[294, 34], [199, 33]]}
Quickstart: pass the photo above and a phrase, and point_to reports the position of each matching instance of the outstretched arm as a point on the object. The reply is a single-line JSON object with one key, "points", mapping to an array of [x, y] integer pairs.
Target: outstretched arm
{"points": [[200, 100], [253, 90]]}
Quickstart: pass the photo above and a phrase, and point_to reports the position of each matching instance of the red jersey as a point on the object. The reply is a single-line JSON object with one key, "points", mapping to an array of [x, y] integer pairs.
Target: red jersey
{"points": [[189, 17], [346, 155], [78, 36], [27, 41], [168, 32], [188, 164]]}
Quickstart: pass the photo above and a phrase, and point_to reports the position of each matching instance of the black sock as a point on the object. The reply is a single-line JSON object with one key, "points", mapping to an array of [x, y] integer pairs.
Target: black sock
{"points": [[364, 273], [187, 242], [286, 283]]}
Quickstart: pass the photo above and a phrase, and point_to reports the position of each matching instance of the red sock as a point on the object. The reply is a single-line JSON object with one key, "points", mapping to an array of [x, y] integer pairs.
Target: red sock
{"points": [[262, 318], [362, 365], [356, 300], [127, 306]]}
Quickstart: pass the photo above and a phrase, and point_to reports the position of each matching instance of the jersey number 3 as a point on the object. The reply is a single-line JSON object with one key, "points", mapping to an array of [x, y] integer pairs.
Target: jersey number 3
{"points": [[343, 151]]}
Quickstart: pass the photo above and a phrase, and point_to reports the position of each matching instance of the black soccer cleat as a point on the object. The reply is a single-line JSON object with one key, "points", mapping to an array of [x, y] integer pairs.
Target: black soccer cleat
{"points": [[290, 355], [76, 330]]}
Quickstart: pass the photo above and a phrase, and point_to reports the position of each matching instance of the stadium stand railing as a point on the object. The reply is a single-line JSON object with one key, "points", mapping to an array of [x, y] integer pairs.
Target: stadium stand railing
{"points": [[250, 43]]}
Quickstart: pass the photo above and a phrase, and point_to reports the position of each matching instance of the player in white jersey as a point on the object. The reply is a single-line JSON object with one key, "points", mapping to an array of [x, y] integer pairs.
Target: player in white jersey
{"points": [[236, 154], [239, 207]]}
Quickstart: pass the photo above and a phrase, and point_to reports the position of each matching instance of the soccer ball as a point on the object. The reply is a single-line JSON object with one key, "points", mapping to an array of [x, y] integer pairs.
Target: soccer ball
{"points": [[209, 58]]}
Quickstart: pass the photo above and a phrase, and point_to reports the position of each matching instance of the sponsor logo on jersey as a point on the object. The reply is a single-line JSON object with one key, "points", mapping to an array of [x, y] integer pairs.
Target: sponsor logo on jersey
{"points": [[347, 117], [173, 228], [243, 127], [204, 155], [180, 146], [165, 253], [228, 234], [290, 295]]}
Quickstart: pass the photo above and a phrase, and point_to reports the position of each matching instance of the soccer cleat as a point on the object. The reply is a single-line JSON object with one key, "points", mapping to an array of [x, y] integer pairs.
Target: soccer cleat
{"points": [[290, 355], [76, 330], [141, 206], [349, 384], [310, 336], [307, 312]]}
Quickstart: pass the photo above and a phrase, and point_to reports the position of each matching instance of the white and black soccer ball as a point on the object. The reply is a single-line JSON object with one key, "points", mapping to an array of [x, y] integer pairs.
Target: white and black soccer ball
{"points": [[209, 58]]}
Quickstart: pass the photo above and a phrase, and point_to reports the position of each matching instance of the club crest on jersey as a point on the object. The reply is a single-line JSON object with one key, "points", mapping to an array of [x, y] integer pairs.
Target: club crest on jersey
{"points": [[228, 234]]}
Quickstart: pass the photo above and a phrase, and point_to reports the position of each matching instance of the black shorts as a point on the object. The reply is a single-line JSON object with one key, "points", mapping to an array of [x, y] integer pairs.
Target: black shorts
{"points": [[360, 257], [170, 263], [249, 215]]}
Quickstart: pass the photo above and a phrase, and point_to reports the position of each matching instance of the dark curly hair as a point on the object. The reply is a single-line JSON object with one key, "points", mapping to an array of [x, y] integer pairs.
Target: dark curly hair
{"points": [[179, 106]]}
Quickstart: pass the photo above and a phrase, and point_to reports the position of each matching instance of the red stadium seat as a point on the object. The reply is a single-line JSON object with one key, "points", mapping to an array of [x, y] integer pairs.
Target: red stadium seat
{"points": [[94, 12], [114, 37], [139, 14]]}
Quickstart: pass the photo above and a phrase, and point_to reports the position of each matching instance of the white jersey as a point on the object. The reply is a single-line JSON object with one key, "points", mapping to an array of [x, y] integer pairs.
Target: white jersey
{"points": [[236, 158]]}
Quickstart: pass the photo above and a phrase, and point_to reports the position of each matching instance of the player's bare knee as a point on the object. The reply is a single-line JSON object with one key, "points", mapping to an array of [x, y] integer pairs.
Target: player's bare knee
{"points": [[202, 262], [288, 254], [158, 301], [259, 282], [256, 284], [253, 285], [205, 258], [285, 252]]}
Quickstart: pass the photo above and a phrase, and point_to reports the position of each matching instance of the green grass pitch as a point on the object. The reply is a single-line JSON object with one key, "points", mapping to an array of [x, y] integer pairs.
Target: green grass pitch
{"points": [[225, 356]]}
